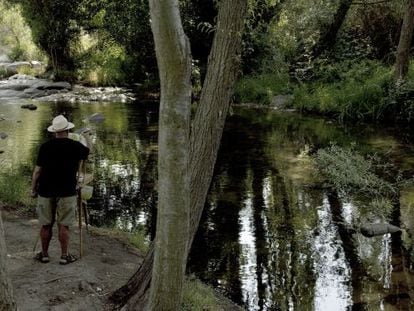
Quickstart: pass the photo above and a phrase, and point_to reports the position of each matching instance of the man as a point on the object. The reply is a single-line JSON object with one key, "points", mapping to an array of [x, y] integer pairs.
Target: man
{"points": [[54, 181]]}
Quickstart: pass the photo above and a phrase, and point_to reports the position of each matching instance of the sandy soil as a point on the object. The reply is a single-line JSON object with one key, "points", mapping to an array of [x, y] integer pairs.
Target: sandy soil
{"points": [[106, 264]]}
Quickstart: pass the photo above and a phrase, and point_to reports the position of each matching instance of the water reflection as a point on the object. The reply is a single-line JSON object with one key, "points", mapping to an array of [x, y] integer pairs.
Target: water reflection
{"points": [[271, 237]]}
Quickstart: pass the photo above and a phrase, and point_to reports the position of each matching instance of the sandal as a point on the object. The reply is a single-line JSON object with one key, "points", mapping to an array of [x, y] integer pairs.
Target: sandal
{"points": [[66, 259], [41, 258]]}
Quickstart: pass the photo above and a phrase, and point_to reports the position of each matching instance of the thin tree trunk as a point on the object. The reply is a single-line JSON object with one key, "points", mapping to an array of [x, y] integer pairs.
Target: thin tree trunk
{"points": [[329, 34], [173, 220], [208, 123], [404, 45], [7, 302], [206, 131]]}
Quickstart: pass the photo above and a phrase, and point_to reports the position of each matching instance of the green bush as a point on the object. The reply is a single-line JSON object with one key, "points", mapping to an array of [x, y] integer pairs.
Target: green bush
{"points": [[358, 92], [261, 88], [14, 188]]}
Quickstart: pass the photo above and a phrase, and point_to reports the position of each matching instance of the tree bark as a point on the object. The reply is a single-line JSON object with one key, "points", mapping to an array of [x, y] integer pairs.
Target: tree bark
{"points": [[173, 220], [329, 34], [206, 131], [7, 302], [404, 45]]}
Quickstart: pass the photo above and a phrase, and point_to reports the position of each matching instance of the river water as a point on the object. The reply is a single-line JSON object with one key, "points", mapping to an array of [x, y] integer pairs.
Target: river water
{"points": [[271, 237]]}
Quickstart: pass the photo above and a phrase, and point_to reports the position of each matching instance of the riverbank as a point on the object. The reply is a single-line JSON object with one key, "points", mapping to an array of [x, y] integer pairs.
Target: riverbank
{"points": [[107, 263]]}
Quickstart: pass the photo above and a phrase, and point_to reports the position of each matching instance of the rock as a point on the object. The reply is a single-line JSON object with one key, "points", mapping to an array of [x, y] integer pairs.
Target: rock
{"points": [[1, 151], [19, 86], [34, 93], [96, 117], [19, 76], [281, 101], [3, 135], [12, 94], [60, 86], [14, 67], [371, 230], [29, 106], [85, 286], [45, 85], [4, 58]]}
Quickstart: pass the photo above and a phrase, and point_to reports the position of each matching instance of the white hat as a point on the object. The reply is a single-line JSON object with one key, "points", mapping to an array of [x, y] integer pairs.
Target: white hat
{"points": [[59, 124]]}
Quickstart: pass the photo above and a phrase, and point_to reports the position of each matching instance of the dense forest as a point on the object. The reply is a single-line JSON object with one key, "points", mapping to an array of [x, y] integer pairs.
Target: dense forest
{"points": [[343, 58]]}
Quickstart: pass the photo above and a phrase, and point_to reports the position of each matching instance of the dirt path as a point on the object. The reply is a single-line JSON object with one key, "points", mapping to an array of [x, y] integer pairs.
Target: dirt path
{"points": [[106, 264]]}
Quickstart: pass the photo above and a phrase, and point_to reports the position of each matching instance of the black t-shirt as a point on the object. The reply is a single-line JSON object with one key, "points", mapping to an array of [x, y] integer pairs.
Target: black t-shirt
{"points": [[59, 159]]}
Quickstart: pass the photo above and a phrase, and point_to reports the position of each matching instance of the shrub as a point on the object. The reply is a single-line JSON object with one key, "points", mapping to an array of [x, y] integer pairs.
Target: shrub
{"points": [[348, 171], [14, 188]]}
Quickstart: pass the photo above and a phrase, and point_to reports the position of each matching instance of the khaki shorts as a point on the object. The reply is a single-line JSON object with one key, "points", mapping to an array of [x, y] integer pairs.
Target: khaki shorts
{"points": [[63, 210]]}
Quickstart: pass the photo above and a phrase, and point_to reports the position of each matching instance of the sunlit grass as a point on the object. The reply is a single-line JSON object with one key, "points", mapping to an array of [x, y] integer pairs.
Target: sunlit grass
{"points": [[199, 296], [136, 239], [359, 94], [15, 189]]}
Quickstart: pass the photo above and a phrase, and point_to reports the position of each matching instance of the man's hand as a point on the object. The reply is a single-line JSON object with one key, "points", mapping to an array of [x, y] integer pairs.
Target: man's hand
{"points": [[33, 193]]}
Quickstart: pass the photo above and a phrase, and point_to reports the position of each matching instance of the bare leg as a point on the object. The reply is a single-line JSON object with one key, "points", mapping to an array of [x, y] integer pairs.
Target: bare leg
{"points": [[45, 237], [64, 238]]}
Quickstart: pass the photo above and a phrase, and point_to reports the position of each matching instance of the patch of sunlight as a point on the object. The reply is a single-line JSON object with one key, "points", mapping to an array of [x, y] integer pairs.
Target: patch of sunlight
{"points": [[384, 143], [299, 167]]}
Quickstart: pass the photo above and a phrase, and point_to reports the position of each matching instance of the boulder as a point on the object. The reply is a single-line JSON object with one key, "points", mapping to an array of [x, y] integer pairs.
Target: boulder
{"points": [[45, 85], [3, 135], [34, 93], [281, 101], [20, 85], [4, 58], [14, 67], [29, 106], [371, 230], [19, 76], [96, 118], [13, 94]]}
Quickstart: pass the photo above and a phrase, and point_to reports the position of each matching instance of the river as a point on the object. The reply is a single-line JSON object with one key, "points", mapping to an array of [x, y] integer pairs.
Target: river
{"points": [[271, 237]]}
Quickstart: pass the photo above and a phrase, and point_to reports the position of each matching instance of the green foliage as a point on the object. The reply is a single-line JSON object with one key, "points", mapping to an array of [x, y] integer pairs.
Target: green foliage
{"points": [[126, 23], [102, 63], [15, 35], [347, 91], [400, 98], [350, 172], [261, 88], [14, 188], [139, 240], [198, 296], [377, 26]]}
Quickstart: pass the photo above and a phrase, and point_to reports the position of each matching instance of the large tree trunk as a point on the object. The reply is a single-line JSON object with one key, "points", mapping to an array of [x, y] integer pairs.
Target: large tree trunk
{"points": [[6, 290], [403, 50], [173, 217], [207, 128], [330, 32]]}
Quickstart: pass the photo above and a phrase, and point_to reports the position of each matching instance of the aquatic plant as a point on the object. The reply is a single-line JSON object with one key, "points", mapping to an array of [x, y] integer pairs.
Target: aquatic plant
{"points": [[349, 171]]}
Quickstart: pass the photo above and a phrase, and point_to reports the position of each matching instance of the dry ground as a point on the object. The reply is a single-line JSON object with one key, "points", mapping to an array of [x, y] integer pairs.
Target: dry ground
{"points": [[106, 264]]}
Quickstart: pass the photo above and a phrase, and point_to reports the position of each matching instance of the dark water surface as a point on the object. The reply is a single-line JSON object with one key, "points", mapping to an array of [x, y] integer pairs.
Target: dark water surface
{"points": [[271, 238]]}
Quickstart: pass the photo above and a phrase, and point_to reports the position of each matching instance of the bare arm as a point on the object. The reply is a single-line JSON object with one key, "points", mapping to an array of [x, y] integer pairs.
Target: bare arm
{"points": [[35, 180]]}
